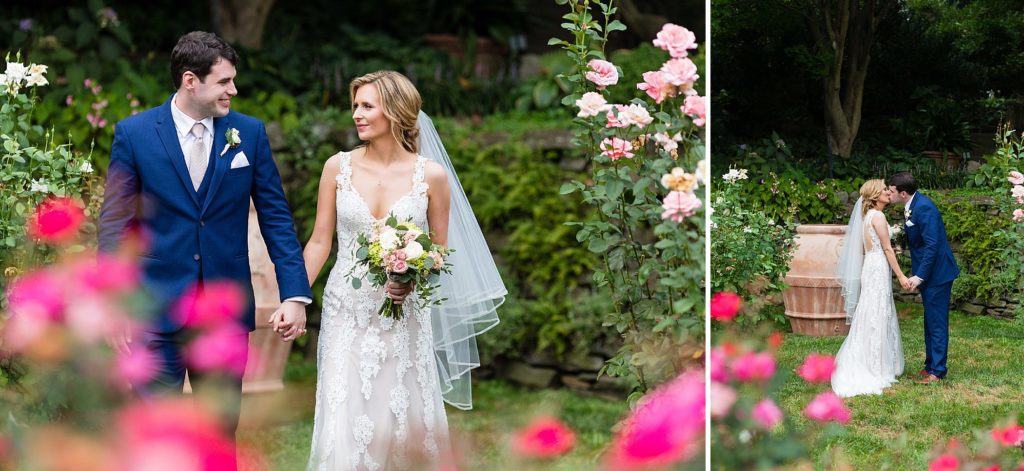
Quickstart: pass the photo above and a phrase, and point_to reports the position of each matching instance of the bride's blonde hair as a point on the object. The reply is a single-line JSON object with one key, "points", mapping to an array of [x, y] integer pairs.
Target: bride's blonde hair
{"points": [[400, 102], [871, 191]]}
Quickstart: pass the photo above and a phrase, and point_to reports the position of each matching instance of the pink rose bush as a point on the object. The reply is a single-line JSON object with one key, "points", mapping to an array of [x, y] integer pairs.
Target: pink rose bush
{"points": [[679, 205], [602, 73], [676, 39], [615, 148], [545, 437], [694, 106], [817, 368]]}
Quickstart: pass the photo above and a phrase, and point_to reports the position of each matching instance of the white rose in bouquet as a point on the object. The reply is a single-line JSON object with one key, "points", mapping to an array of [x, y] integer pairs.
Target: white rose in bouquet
{"points": [[413, 251]]}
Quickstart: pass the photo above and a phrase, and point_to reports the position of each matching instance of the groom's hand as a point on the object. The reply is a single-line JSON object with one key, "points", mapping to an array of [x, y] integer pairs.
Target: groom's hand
{"points": [[914, 282], [289, 320]]}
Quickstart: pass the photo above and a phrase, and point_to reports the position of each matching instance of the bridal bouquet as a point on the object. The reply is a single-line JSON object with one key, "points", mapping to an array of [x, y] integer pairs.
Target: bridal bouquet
{"points": [[401, 252]]}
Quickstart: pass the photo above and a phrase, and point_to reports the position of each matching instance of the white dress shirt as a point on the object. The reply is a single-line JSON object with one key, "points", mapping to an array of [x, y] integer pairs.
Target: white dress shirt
{"points": [[917, 280], [183, 124]]}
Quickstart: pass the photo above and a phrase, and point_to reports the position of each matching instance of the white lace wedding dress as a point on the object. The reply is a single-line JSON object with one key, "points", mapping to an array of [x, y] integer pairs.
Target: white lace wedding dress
{"points": [[378, 397], [871, 357]]}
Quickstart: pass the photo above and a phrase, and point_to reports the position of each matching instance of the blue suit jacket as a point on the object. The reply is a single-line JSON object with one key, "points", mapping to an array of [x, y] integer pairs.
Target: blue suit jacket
{"points": [[189, 239], [931, 258]]}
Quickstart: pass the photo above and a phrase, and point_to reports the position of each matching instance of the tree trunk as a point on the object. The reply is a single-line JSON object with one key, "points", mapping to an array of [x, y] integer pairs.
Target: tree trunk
{"points": [[241, 21], [845, 31]]}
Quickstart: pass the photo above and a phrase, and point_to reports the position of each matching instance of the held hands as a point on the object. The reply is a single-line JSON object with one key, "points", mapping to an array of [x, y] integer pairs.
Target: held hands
{"points": [[397, 291], [910, 284], [289, 320]]}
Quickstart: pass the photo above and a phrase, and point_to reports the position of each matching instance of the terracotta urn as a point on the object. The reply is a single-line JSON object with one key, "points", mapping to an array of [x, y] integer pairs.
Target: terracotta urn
{"points": [[813, 296]]}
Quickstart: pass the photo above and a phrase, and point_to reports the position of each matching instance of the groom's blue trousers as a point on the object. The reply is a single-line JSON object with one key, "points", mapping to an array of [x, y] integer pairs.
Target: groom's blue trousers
{"points": [[936, 327]]}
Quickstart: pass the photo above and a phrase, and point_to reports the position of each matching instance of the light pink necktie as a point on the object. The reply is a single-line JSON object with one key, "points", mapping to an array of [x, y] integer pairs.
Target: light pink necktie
{"points": [[197, 158]]}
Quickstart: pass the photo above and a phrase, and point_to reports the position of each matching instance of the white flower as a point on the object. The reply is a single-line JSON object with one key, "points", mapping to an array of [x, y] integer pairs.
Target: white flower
{"points": [[86, 167], [636, 115], [413, 233], [735, 175], [591, 104], [389, 239], [37, 69], [15, 71], [413, 251], [702, 171], [231, 135], [1017, 191], [666, 142], [36, 80], [3, 80], [748, 230], [39, 187]]}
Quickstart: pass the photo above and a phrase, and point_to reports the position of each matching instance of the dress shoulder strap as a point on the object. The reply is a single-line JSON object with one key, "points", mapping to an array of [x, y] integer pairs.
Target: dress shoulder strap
{"points": [[419, 183], [344, 177]]}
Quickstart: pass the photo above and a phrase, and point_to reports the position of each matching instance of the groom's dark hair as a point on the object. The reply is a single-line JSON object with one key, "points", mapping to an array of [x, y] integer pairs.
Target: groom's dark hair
{"points": [[197, 52], [903, 181]]}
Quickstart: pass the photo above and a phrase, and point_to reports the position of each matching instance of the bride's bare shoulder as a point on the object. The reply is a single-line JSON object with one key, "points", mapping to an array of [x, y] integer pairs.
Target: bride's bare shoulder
{"points": [[434, 173]]}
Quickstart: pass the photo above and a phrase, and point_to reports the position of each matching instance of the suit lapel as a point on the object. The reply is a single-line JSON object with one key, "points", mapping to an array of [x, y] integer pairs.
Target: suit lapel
{"points": [[220, 127], [169, 137]]}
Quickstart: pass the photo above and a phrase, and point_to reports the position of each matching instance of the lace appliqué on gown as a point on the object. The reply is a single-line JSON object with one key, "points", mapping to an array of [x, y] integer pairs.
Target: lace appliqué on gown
{"points": [[378, 397], [871, 357]]}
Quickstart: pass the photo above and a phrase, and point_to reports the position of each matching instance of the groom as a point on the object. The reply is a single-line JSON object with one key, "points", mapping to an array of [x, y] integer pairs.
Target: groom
{"points": [[933, 267], [182, 175]]}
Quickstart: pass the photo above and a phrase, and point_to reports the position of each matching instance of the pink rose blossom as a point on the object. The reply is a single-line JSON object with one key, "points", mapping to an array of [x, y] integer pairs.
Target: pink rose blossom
{"points": [[400, 266], [591, 104], [695, 107], [717, 364], [1016, 178], [91, 319], [656, 86], [150, 433], [69, 100], [817, 368], [754, 366], [1018, 215], [1008, 436], [135, 367], [212, 304], [827, 407], [681, 73], [38, 294], [615, 148], [722, 398], [636, 115], [106, 274], [767, 414], [602, 73], [1017, 191], [945, 462], [56, 220], [725, 305], [679, 205], [544, 437], [614, 121], [224, 348], [668, 143], [400, 255], [665, 428], [676, 40]]}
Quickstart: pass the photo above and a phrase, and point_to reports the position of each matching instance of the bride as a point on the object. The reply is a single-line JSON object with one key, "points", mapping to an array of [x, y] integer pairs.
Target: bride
{"points": [[381, 381], [871, 357]]}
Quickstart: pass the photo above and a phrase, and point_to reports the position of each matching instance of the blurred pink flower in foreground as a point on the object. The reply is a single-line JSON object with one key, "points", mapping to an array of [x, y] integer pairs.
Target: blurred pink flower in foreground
{"points": [[817, 368], [717, 364], [721, 399], [666, 427], [945, 462], [224, 348], [754, 366], [1008, 436], [210, 305], [544, 437], [56, 220], [136, 367], [172, 434], [106, 274], [767, 414], [725, 305], [827, 407]]}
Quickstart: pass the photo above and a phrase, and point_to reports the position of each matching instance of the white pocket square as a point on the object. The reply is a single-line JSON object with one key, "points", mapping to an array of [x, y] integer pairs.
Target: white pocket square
{"points": [[239, 161], [910, 223]]}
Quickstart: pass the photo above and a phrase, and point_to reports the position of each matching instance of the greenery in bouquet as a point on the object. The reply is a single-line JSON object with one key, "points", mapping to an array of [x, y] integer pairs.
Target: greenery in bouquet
{"points": [[646, 167], [403, 253]]}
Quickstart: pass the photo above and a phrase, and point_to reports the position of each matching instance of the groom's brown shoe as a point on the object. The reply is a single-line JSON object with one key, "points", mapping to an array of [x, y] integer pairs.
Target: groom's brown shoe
{"points": [[921, 374], [928, 379]]}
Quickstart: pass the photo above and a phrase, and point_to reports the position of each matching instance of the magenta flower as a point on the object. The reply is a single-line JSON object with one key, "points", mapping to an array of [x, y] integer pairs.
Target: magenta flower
{"points": [[754, 366], [725, 305], [817, 368], [172, 434], [136, 367], [543, 438], [211, 305], [717, 364], [602, 73], [56, 220], [679, 205], [767, 414], [666, 427], [676, 40], [827, 407], [1008, 436], [945, 462], [106, 274], [615, 148], [695, 107], [224, 348]]}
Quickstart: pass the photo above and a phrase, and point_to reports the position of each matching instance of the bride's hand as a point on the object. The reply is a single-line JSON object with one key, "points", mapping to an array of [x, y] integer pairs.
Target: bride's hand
{"points": [[397, 291]]}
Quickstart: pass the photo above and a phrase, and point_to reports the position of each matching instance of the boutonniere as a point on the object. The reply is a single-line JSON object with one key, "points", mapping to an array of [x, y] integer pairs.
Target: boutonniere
{"points": [[908, 213], [233, 140]]}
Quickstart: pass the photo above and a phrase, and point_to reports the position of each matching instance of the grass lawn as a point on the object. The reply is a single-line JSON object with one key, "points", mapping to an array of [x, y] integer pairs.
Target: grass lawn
{"points": [[985, 384], [280, 425]]}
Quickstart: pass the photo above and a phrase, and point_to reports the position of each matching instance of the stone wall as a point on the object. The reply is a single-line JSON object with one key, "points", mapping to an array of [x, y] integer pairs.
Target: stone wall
{"points": [[545, 371]]}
